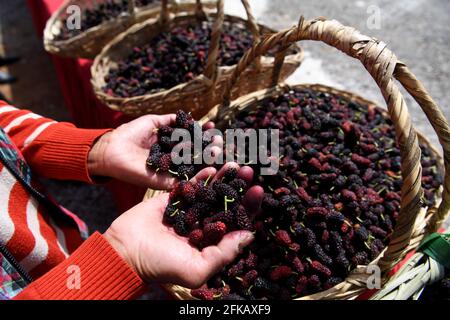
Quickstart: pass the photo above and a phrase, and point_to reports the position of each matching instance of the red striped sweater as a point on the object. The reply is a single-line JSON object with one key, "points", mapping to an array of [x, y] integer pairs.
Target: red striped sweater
{"points": [[42, 244]]}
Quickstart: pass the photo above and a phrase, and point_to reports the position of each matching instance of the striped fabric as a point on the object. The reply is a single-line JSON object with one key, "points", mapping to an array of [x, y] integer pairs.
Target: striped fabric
{"points": [[41, 237], [37, 240]]}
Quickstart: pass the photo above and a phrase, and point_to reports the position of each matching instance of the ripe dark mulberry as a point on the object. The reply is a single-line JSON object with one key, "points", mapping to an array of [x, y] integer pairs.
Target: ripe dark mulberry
{"points": [[320, 268], [283, 238], [280, 272], [214, 232], [203, 294], [320, 255]]}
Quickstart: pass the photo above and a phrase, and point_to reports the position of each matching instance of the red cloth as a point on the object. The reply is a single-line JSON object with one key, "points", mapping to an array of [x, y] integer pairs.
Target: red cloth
{"points": [[87, 112], [103, 275]]}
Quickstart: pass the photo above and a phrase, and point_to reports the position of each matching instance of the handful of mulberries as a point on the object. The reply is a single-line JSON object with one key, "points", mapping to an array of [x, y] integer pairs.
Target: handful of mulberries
{"points": [[205, 211], [161, 153]]}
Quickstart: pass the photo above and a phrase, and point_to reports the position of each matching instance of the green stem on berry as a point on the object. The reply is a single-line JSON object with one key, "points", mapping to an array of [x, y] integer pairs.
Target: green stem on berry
{"points": [[249, 290], [176, 203], [207, 181], [175, 213], [173, 172], [292, 230], [228, 201]]}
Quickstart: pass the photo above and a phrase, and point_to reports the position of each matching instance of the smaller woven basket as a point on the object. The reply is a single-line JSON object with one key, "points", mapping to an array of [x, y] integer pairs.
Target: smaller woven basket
{"points": [[205, 91], [91, 42], [415, 221]]}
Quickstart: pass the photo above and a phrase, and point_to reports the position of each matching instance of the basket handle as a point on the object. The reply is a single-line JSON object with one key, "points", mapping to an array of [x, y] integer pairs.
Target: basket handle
{"points": [[214, 49], [211, 68], [384, 67], [164, 15], [254, 28], [199, 12], [131, 7]]}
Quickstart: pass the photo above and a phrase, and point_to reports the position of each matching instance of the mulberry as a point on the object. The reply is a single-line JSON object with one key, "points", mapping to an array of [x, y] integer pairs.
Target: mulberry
{"points": [[214, 232], [320, 255], [283, 238], [280, 272], [196, 238], [165, 162], [183, 120], [242, 220], [320, 268], [203, 294]]}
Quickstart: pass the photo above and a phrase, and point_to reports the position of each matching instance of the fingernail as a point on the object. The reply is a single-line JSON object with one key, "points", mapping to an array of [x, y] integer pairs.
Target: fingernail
{"points": [[246, 239]]}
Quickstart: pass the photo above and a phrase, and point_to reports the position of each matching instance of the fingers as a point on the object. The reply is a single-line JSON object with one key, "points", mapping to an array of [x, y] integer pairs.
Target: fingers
{"points": [[253, 199], [163, 120], [204, 174], [246, 174], [224, 169], [160, 181], [157, 204], [209, 125], [215, 258]]}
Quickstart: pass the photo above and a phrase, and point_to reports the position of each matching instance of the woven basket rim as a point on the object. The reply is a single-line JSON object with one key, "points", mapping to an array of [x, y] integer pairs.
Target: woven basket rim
{"points": [[105, 25], [74, 46], [178, 18], [183, 293]]}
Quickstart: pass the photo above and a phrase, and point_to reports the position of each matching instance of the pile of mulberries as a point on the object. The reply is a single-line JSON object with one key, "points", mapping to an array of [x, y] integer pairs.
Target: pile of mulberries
{"points": [[205, 211], [97, 14], [160, 157], [175, 56], [332, 205]]}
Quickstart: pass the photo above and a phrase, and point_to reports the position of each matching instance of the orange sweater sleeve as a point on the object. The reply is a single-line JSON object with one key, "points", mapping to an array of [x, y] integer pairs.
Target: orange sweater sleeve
{"points": [[102, 275], [54, 150]]}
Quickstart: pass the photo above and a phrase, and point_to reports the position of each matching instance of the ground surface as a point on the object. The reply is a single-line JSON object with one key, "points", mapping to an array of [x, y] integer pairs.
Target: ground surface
{"points": [[416, 30]]}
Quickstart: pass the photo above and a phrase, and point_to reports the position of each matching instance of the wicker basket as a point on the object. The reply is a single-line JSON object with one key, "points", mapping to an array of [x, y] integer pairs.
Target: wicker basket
{"points": [[90, 43], [414, 222], [201, 94]]}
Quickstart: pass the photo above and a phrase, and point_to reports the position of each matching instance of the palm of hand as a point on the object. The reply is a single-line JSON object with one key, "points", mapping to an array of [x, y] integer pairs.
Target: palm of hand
{"points": [[126, 150]]}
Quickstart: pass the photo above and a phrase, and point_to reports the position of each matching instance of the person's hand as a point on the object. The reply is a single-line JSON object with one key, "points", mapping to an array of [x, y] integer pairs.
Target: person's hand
{"points": [[158, 254], [122, 153]]}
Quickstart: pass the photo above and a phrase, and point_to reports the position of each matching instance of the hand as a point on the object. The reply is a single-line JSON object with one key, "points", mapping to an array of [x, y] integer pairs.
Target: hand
{"points": [[157, 253], [122, 153]]}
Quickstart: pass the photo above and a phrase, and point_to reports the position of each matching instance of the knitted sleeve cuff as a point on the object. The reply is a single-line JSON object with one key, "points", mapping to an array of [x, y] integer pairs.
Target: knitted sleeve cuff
{"points": [[61, 152], [94, 271]]}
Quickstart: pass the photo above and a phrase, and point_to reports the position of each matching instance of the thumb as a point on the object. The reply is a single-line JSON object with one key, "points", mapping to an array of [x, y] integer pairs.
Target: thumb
{"points": [[216, 257]]}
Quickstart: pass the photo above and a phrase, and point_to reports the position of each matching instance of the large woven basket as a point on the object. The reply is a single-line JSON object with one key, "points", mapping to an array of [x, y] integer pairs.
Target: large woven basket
{"points": [[201, 94], [90, 42], [415, 221]]}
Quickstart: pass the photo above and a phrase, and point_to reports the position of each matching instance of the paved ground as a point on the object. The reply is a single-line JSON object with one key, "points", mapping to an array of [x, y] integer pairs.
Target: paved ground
{"points": [[416, 30]]}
